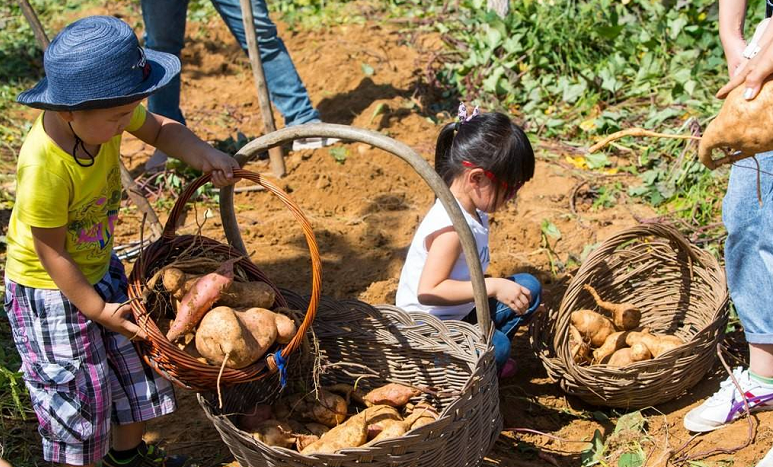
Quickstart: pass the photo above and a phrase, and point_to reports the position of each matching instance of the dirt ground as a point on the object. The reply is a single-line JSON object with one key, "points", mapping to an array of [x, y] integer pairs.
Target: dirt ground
{"points": [[364, 212]]}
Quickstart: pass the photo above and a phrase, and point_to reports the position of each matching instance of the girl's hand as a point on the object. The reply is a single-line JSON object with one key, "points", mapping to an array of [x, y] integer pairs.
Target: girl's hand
{"points": [[113, 317], [514, 295], [220, 165]]}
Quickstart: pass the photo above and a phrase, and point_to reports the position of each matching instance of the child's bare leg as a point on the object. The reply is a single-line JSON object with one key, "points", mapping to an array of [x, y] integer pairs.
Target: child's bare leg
{"points": [[127, 436], [761, 359]]}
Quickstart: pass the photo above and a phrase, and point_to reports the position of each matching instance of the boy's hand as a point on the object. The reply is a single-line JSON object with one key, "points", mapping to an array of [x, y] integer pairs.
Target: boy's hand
{"points": [[221, 166], [113, 317], [514, 295]]}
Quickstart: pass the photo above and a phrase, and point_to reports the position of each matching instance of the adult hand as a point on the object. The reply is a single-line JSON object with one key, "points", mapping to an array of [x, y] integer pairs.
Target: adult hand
{"points": [[221, 166], [113, 317], [734, 48], [752, 75], [512, 294]]}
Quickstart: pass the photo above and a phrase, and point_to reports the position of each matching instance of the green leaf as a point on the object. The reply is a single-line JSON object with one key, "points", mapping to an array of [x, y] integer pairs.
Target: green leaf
{"points": [[633, 421], [550, 229], [595, 453], [610, 32], [597, 160], [630, 459], [339, 154]]}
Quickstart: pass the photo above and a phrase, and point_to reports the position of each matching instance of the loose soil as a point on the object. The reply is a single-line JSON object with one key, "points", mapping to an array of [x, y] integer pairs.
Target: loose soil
{"points": [[365, 209]]}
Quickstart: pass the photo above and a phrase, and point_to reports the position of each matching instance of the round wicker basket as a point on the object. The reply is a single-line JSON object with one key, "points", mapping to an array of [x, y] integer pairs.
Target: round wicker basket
{"points": [[680, 290], [413, 348], [166, 358]]}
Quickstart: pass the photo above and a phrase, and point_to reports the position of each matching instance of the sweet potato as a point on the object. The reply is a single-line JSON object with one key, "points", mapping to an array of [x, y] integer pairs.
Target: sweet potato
{"points": [[174, 280], [593, 327], [199, 299], [237, 295], [352, 433], [251, 421], [614, 342], [328, 409], [390, 429], [288, 406], [275, 433], [625, 316], [261, 325], [423, 414], [254, 294], [581, 352], [303, 440], [393, 394], [620, 358], [741, 125], [222, 337], [640, 352], [285, 328], [658, 344]]}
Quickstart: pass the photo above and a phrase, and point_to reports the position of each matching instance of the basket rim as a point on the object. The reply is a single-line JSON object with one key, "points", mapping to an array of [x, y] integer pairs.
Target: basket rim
{"points": [[160, 249]]}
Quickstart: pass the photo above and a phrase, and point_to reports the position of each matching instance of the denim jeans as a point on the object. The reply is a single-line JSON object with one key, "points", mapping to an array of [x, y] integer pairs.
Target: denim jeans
{"points": [[749, 246], [165, 31], [505, 320]]}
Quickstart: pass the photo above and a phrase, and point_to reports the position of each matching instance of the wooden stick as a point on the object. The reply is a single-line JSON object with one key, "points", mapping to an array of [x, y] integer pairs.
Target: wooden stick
{"points": [[126, 179], [635, 132], [275, 154], [37, 28]]}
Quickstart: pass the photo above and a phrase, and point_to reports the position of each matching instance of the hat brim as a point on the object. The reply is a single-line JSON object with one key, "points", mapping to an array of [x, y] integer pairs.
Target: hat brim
{"points": [[163, 67]]}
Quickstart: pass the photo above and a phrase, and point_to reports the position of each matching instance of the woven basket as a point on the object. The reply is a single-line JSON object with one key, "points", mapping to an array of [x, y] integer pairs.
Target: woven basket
{"points": [[166, 358], [680, 290], [414, 348]]}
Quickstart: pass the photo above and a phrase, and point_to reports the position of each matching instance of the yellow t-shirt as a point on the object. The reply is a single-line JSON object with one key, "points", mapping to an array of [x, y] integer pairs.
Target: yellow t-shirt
{"points": [[52, 190]]}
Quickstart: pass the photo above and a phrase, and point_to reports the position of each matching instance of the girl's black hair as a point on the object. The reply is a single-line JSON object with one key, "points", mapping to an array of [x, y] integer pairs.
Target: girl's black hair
{"points": [[490, 141]]}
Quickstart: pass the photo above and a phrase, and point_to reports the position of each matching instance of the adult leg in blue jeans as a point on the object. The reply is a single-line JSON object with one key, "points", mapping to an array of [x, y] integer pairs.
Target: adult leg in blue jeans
{"points": [[165, 31], [506, 321], [284, 84]]}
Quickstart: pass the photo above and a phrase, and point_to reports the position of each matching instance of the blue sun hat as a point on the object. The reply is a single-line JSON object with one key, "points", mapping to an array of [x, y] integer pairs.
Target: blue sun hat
{"points": [[96, 63]]}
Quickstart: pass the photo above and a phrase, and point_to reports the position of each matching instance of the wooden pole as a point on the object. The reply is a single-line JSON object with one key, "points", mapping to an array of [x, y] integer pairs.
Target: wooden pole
{"points": [[134, 192], [275, 154]]}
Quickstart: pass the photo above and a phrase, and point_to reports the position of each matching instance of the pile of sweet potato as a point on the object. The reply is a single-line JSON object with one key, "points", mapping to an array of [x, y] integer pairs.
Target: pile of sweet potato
{"points": [[337, 417], [617, 341], [223, 321]]}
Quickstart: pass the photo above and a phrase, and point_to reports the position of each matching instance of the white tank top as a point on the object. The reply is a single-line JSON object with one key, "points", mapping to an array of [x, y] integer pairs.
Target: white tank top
{"points": [[437, 219]]}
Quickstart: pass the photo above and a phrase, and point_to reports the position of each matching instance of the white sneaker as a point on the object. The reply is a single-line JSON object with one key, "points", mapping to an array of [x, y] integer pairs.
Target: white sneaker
{"points": [[766, 461], [727, 404], [313, 143]]}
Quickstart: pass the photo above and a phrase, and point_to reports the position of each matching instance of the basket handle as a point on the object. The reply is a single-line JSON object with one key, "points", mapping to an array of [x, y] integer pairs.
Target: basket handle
{"points": [[308, 232], [404, 152]]}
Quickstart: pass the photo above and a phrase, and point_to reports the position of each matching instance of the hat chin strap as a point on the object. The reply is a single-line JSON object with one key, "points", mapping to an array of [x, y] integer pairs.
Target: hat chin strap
{"points": [[78, 142]]}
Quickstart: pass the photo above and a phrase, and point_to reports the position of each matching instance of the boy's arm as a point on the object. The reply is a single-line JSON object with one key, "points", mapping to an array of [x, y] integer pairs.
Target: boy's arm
{"points": [[176, 140], [436, 289], [50, 247]]}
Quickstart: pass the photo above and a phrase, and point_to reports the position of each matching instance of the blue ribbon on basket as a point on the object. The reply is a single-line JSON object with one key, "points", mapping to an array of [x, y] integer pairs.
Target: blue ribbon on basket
{"points": [[281, 365]]}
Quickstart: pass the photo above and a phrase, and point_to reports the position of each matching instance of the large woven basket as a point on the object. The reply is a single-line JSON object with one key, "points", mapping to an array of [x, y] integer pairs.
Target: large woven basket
{"points": [[408, 347], [414, 348], [166, 358], [680, 290]]}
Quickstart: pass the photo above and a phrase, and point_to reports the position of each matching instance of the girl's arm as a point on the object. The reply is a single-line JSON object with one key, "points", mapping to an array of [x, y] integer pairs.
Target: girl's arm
{"points": [[436, 289], [176, 140], [50, 247]]}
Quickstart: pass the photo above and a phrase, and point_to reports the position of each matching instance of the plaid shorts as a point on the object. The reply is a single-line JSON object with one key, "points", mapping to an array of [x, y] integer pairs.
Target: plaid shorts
{"points": [[81, 377]]}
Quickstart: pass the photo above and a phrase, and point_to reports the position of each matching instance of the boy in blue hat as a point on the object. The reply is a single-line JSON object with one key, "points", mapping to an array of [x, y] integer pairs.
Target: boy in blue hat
{"points": [[64, 285]]}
